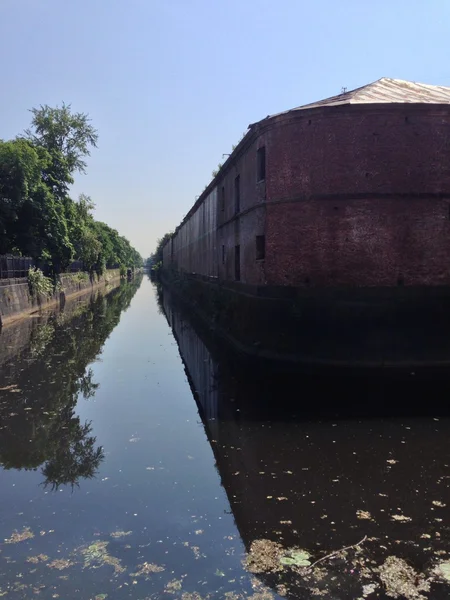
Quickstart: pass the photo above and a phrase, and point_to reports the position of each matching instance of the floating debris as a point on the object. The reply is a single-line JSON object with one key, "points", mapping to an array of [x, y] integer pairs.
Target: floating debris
{"points": [[368, 589], [437, 503], [264, 557], [10, 388], [60, 564], [147, 569], [37, 559], [173, 586], [120, 534], [364, 514], [97, 554], [401, 580], [401, 518], [20, 536]]}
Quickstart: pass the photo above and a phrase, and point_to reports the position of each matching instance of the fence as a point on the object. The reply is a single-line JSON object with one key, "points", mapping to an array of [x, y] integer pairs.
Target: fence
{"points": [[17, 266]]}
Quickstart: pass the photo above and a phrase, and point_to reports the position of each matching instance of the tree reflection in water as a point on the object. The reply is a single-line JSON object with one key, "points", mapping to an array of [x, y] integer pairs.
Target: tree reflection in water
{"points": [[41, 380]]}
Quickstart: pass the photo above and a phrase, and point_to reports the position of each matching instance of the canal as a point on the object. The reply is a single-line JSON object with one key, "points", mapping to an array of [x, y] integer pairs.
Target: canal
{"points": [[141, 459]]}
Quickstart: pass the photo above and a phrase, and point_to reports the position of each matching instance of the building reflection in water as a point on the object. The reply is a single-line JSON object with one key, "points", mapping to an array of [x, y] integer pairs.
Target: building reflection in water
{"points": [[319, 461]]}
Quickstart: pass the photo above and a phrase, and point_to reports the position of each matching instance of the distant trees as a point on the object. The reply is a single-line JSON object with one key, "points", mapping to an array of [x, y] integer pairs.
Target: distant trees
{"points": [[156, 259], [37, 216]]}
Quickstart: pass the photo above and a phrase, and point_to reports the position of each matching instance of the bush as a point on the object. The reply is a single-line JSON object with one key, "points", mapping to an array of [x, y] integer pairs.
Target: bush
{"points": [[39, 284], [80, 276]]}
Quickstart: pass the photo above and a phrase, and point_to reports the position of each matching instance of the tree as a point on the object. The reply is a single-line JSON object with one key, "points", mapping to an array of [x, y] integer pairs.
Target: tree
{"points": [[68, 137], [21, 166], [157, 257], [37, 216]]}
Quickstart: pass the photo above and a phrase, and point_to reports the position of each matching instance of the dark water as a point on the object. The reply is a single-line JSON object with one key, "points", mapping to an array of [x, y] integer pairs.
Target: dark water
{"points": [[130, 472]]}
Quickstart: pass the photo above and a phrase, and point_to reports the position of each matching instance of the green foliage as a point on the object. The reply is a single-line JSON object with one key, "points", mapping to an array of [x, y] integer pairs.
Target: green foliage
{"points": [[37, 216], [69, 136], [157, 257], [217, 170], [80, 276], [21, 188], [39, 284]]}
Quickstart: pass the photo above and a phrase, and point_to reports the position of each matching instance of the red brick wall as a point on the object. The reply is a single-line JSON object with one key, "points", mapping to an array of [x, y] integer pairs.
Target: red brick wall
{"points": [[375, 242], [354, 195], [359, 150], [359, 182]]}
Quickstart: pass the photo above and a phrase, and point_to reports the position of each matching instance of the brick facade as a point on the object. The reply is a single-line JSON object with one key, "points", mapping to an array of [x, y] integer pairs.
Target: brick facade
{"points": [[354, 195]]}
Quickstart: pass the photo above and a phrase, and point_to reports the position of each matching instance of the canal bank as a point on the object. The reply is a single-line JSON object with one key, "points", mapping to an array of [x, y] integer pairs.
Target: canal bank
{"points": [[138, 461], [17, 301]]}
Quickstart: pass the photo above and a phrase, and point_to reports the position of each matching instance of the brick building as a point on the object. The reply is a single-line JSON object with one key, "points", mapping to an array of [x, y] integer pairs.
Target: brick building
{"points": [[352, 190], [348, 194]]}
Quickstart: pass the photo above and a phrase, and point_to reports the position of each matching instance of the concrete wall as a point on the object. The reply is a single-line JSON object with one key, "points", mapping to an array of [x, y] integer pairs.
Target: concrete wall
{"points": [[16, 301]]}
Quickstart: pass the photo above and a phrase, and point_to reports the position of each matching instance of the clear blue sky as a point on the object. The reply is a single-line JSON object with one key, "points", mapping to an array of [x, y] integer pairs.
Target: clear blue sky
{"points": [[172, 84]]}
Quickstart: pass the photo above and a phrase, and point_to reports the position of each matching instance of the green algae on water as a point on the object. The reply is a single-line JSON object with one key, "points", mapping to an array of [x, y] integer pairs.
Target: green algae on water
{"points": [[442, 570], [296, 558], [96, 555]]}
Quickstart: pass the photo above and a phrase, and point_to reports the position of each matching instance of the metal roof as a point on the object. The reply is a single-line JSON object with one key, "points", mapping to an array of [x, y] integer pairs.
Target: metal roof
{"points": [[386, 90]]}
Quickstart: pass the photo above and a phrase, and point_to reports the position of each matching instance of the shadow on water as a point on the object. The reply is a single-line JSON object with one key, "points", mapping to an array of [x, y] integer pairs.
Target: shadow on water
{"points": [[45, 359], [315, 463]]}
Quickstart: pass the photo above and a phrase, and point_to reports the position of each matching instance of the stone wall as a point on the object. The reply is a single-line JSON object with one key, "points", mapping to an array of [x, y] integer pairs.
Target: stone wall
{"points": [[16, 301]]}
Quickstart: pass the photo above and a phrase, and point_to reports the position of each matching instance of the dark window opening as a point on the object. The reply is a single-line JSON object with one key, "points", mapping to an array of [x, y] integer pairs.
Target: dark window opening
{"points": [[222, 199], [223, 255], [261, 164], [260, 247], [237, 194], [237, 263]]}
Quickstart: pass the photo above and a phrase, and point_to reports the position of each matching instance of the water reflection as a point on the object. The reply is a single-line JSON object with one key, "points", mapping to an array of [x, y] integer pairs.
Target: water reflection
{"points": [[304, 467], [43, 373]]}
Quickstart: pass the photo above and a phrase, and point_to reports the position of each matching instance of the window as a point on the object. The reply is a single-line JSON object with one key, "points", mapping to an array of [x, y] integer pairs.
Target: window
{"points": [[222, 199], [237, 194], [260, 247], [261, 164], [237, 263], [223, 255]]}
